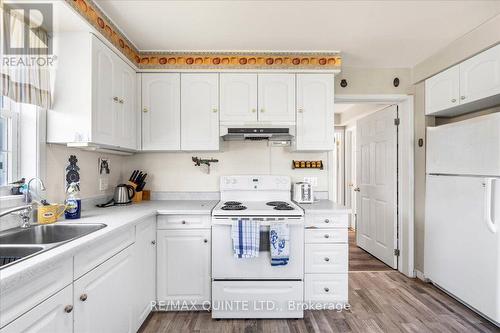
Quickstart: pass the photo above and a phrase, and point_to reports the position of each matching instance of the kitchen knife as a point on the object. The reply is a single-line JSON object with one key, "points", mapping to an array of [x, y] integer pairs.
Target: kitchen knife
{"points": [[140, 187], [132, 177]]}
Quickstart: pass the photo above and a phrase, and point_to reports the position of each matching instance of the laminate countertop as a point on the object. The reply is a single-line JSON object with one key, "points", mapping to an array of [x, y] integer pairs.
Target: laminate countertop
{"points": [[324, 207], [116, 218]]}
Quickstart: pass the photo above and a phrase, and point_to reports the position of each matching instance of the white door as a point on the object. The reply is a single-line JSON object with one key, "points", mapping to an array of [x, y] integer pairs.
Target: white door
{"points": [[277, 97], [104, 99], [125, 120], [54, 315], [480, 76], [161, 111], [103, 297], [144, 270], [183, 264], [238, 97], [315, 117], [376, 175], [200, 111], [442, 90]]}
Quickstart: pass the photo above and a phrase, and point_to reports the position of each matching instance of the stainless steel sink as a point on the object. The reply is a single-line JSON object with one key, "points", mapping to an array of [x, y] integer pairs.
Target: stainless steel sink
{"points": [[48, 234], [18, 244]]}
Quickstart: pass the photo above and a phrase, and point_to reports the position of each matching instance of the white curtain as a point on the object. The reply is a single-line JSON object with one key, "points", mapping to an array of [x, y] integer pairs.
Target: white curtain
{"points": [[25, 77]]}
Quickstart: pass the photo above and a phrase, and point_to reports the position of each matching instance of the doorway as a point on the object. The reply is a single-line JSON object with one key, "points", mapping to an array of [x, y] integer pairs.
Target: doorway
{"points": [[370, 184]]}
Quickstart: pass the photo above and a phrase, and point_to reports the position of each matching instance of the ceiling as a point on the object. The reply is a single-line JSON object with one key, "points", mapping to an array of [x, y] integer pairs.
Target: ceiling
{"points": [[369, 33]]}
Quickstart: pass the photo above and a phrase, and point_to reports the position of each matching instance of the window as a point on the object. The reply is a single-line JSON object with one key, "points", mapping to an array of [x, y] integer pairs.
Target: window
{"points": [[9, 142]]}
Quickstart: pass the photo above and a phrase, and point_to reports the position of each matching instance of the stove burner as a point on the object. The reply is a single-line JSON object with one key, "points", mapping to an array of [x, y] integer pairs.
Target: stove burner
{"points": [[277, 203], [284, 207], [233, 207], [232, 203]]}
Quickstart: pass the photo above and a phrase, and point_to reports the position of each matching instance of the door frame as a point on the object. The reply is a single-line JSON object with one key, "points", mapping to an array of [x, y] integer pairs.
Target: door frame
{"points": [[405, 220]]}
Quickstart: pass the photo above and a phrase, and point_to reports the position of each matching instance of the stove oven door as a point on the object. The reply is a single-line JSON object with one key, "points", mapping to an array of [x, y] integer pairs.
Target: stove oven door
{"points": [[226, 266]]}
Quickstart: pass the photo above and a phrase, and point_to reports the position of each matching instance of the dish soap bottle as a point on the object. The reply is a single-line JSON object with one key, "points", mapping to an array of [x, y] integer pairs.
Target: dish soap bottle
{"points": [[73, 202]]}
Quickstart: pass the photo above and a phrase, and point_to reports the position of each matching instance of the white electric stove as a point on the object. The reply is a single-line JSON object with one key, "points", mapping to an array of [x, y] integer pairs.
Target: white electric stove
{"points": [[251, 287]]}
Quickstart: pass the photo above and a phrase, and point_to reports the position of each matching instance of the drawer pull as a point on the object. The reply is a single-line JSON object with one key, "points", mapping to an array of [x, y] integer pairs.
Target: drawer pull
{"points": [[327, 221], [183, 222], [153, 242], [205, 241], [327, 289], [68, 308], [327, 259], [83, 297], [327, 236]]}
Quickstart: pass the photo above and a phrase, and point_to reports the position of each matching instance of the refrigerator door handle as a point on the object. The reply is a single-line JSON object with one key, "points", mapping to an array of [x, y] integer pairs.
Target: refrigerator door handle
{"points": [[488, 205]]}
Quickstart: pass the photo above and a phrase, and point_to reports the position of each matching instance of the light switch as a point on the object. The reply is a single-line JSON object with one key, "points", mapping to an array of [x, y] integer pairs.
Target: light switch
{"points": [[311, 180]]}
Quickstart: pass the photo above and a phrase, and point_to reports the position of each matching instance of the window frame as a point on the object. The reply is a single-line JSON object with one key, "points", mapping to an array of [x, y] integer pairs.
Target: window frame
{"points": [[13, 147]]}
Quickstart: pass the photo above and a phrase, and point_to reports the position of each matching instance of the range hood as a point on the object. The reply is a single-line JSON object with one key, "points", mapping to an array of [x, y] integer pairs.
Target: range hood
{"points": [[258, 134]]}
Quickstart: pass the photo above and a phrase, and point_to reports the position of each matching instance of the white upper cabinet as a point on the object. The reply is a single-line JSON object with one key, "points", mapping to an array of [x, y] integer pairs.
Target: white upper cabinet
{"points": [[442, 91], [480, 76], [125, 116], [277, 97], [161, 111], [469, 86], [238, 97], [315, 112], [200, 111]]}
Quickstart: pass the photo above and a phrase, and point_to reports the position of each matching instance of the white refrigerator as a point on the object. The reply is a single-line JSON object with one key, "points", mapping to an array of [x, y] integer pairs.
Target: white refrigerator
{"points": [[462, 214]]}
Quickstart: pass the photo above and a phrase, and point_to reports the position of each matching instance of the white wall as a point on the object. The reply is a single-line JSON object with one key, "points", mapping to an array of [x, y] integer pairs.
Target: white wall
{"points": [[175, 172]]}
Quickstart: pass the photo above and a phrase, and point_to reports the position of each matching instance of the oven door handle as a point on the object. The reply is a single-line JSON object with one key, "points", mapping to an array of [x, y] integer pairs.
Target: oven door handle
{"points": [[262, 223]]}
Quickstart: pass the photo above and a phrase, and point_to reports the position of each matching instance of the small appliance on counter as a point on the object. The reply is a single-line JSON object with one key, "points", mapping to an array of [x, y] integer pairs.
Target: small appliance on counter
{"points": [[303, 192], [123, 196]]}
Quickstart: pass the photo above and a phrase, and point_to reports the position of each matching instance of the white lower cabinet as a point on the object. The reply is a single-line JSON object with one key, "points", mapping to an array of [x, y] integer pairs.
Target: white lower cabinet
{"points": [[325, 288], [54, 315], [144, 270], [103, 297], [183, 267]]}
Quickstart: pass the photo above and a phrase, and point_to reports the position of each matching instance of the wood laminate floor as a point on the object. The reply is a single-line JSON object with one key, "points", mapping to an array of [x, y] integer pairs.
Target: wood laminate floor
{"points": [[360, 260], [380, 302]]}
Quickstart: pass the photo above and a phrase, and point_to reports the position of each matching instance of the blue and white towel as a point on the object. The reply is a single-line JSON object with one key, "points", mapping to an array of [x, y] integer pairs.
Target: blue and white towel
{"points": [[279, 238], [246, 238]]}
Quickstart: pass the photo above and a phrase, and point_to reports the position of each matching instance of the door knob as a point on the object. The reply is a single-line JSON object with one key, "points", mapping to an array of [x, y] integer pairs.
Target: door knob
{"points": [[357, 189], [68, 308], [83, 297]]}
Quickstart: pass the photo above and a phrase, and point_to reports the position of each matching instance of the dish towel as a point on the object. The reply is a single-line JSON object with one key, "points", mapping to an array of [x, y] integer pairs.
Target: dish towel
{"points": [[246, 238], [279, 238]]}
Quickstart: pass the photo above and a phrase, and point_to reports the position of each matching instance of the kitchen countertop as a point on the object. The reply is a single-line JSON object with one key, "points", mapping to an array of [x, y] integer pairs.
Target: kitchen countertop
{"points": [[116, 218], [324, 207]]}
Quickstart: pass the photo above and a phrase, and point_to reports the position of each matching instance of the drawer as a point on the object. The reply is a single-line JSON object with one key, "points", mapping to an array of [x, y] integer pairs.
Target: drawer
{"points": [[326, 258], [183, 221], [326, 236], [326, 288], [327, 221], [33, 287], [100, 251]]}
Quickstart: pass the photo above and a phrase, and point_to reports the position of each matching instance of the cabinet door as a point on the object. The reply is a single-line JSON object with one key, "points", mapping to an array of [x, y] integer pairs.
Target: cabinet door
{"points": [[442, 91], [104, 99], [238, 97], [315, 120], [277, 97], [144, 270], [183, 265], [103, 298], [200, 111], [53, 315], [161, 111], [480, 76], [125, 120]]}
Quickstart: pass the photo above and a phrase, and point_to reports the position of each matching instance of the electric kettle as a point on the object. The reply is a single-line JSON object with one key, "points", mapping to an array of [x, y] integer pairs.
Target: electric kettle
{"points": [[123, 196]]}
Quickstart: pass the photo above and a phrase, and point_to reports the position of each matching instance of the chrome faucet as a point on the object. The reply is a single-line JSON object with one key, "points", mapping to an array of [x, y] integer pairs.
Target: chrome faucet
{"points": [[27, 194], [24, 213]]}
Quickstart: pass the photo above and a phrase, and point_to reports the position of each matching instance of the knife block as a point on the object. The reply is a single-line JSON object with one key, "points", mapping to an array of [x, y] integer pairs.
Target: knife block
{"points": [[138, 195]]}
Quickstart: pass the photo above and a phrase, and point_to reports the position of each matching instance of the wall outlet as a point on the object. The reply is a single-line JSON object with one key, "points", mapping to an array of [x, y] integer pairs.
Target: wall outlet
{"points": [[311, 180], [103, 184]]}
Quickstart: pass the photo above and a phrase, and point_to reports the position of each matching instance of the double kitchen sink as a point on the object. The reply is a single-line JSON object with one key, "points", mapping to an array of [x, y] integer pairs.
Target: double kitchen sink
{"points": [[22, 243]]}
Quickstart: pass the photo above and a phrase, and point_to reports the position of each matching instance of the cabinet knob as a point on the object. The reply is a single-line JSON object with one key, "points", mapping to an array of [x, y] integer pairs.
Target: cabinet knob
{"points": [[68, 308], [205, 241], [327, 221], [462, 97], [327, 236], [327, 289], [145, 110], [327, 259], [121, 101], [214, 110], [357, 189], [183, 222], [115, 99], [453, 100], [153, 242], [262, 110], [301, 110], [254, 110], [83, 297]]}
